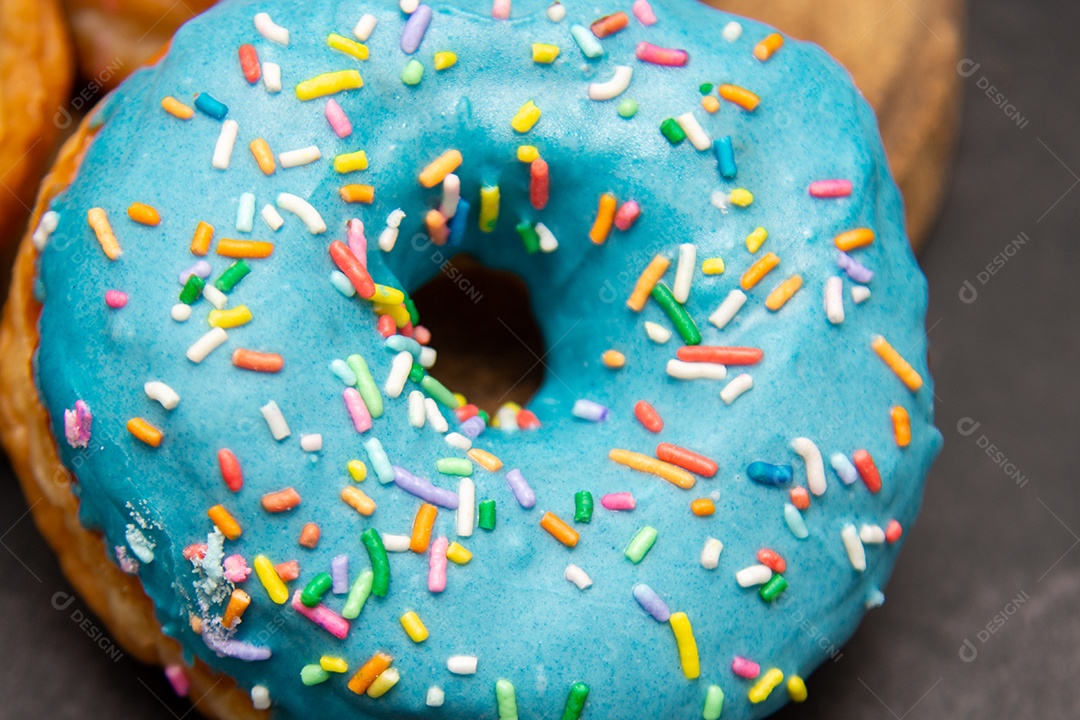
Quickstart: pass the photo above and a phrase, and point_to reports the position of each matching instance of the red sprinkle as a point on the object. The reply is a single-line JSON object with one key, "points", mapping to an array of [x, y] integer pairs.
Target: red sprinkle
{"points": [[527, 420], [538, 184], [385, 326], [281, 500], [353, 269], [249, 63], [772, 560], [800, 498], [466, 411], [609, 24], [722, 355], [116, 299], [647, 416], [867, 470], [686, 459], [195, 552], [406, 330], [893, 531], [288, 571], [230, 470], [257, 361]]}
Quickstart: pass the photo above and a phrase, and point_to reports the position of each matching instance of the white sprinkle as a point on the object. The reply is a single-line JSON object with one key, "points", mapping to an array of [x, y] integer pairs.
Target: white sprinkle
{"points": [[556, 12], [225, 143], [215, 297], [451, 193], [753, 575], [143, 548], [396, 543], [417, 414], [462, 664], [311, 443], [614, 87], [435, 695], [428, 355], [548, 242], [408, 6], [834, 300], [872, 534], [388, 238], [399, 374], [684, 272], [728, 309], [205, 345], [860, 294], [736, 387], [719, 200], [271, 73], [815, 466], [162, 393], [300, 156], [466, 510], [395, 217], [459, 441], [275, 420], [657, 333], [506, 417], [874, 599], [695, 370], [710, 554], [855, 551], [303, 210], [270, 29], [694, 132], [45, 229], [245, 213], [272, 217], [435, 418], [363, 31], [732, 31], [260, 697], [578, 576], [180, 312]]}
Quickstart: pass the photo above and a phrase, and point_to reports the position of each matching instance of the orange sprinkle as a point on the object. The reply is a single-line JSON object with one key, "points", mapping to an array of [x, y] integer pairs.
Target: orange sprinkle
{"points": [[224, 521], [144, 214], [710, 103], [740, 96], [238, 603], [605, 217], [559, 530], [896, 363], [613, 359], [204, 234], [901, 423], [762, 267], [800, 498], [645, 284], [703, 507], [783, 292], [853, 239], [99, 222], [439, 168], [288, 571], [421, 528], [437, 229], [309, 536], [485, 460], [357, 193], [367, 673], [257, 361], [765, 49], [145, 431], [358, 500], [674, 475], [176, 108], [244, 248], [264, 156], [281, 500]]}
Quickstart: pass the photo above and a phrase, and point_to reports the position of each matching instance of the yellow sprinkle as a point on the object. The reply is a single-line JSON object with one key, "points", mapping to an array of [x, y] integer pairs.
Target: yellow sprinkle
{"points": [[710, 103], [233, 317], [852, 239], [763, 688], [104, 232], [383, 683], [457, 554], [398, 312], [741, 197], [901, 425], [445, 59], [347, 46], [613, 359], [756, 239], [328, 84], [333, 664], [485, 460], [461, 400], [357, 470], [489, 207], [224, 521], [348, 162], [511, 405], [713, 266], [176, 108], [270, 579], [527, 153], [783, 292], [414, 627], [684, 638], [796, 689], [896, 363], [526, 116], [544, 54], [387, 295]]}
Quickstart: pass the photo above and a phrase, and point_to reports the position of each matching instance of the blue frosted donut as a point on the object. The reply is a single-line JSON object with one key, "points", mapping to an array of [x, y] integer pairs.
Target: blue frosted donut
{"points": [[710, 204]]}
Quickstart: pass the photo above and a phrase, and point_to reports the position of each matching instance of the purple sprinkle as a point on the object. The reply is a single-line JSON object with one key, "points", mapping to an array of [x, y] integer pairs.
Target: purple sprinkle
{"points": [[855, 270], [77, 424], [520, 487], [651, 603], [239, 649], [473, 427], [589, 410], [423, 489], [201, 268], [339, 571], [415, 27]]}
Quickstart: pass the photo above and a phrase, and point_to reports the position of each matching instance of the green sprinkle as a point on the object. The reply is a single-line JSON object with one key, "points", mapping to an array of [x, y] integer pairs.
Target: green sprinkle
{"points": [[380, 565], [772, 589], [529, 237], [414, 314], [504, 694], [485, 416], [313, 675], [714, 703], [705, 88], [358, 595], [417, 372], [628, 108], [316, 588], [575, 701], [438, 392], [671, 130], [679, 317], [454, 466], [365, 385], [232, 275], [487, 515], [583, 506], [641, 544], [413, 73], [192, 289]]}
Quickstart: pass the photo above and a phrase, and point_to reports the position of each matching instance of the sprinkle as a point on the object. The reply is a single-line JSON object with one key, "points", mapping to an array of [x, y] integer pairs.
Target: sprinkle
{"points": [[438, 392], [657, 333], [815, 467], [854, 269], [694, 132], [684, 272], [796, 688], [358, 595], [116, 299], [309, 535], [413, 72], [103, 230], [260, 696], [358, 412], [215, 297], [725, 157], [583, 506], [366, 386], [774, 588], [520, 487], [200, 242], [506, 699], [651, 603], [365, 26], [369, 672], [613, 359], [245, 212], [275, 420], [271, 77], [313, 592], [765, 473], [671, 130], [686, 459], [329, 84], [329, 663], [650, 276], [681, 319], [684, 638], [435, 418], [249, 63], [77, 423], [703, 507], [640, 544], [422, 526], [844, 469], [627, 215], [144, 214], [280, 501], [231, 473], [544, 54], [435, 697], [854, 239], [756, 239], [486, 519], [244, 248], [830, 188], [647, 52], [176, 108], [489, 207], [795, 522], [238, 603], [382, 684], [609, 24], [834, 300], [627, 108], [462, 664], [211, 106], [559, 530], [711, 105], [893, 531], [379, 563], [587, 42], [556, 12], [714, 702], [527, 153], [271, 30], [347, 46], [485, 460], [589, 410], [901, 425], [710, 554], [225, 143], [538, 184], [761, 267], [415, 28], [720, 354], [270, 579], [299, 157], [740, 96], [744, 668], [643, 463], [767, 47], [288, 571], [233, 317], [144, 431], [439, 168], [800, 498], [445, 59], [457, 554], [500, 9], [867, 470], [897, 364], [206, 344], [871, 535], [860, 294], [358, 500], [853, 546], [648, 417], [414, 627], [753, 575], [357, 470], [525, 118], [644, 13], [423, 489], [454, 466], [577, 576], [732, 31], [353, 269]]}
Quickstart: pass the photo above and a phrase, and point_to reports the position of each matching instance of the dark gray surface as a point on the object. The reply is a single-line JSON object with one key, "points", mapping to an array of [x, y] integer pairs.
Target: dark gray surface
{"points": [[986, 544]]}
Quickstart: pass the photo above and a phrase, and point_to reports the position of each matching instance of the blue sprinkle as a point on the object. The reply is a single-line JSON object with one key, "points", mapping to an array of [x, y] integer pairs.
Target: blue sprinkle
{"points": [[844, 468], [725, 157], [769, 474], [343, 371], [342, 284], [457, 223], [206, 103], [400, 343]]}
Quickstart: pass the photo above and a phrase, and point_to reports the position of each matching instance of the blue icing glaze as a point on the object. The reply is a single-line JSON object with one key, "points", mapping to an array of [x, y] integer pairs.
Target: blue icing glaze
{"points": [[511, 605]]}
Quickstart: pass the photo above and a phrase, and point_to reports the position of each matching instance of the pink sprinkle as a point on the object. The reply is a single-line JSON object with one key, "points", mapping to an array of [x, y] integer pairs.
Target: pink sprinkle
{"points": [[236, 569], [830, 188], [422, 335], [288, 571], [322, 616], [178, 679], [127, 563], [436, 579], [500, 10], [354, 403], [354, 234], [619, 501], [116, 299], [77, 424], [647, 52], [627, 215], [644, 13], [338, 120], [745, 668]]}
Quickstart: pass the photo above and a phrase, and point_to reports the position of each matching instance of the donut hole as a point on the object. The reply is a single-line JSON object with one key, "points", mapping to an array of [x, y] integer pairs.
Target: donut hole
{"points": [[481, 322]]}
